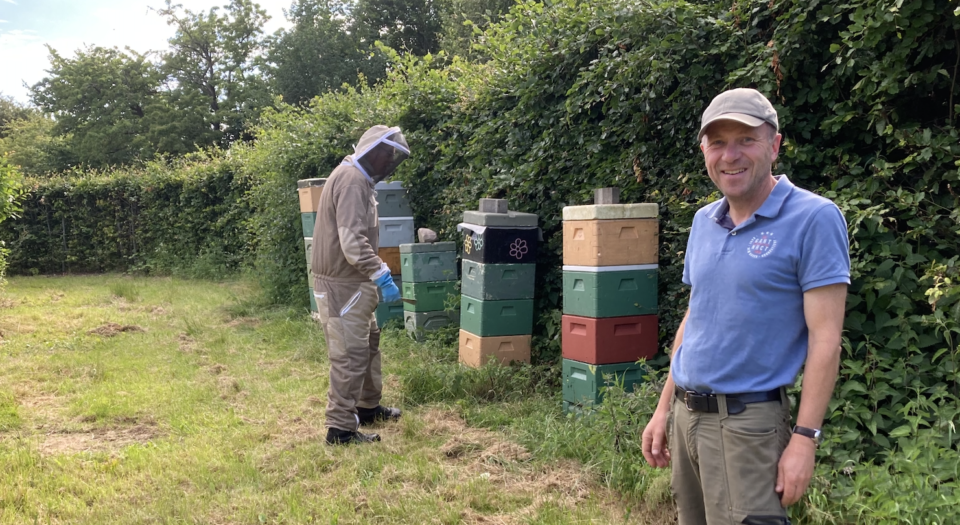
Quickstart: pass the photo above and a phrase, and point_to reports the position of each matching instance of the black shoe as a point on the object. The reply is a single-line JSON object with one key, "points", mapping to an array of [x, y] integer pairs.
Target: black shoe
{"points": [[335, 436], [368, 416]]}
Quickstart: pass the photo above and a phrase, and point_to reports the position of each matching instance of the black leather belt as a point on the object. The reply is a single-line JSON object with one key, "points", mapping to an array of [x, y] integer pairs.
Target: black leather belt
{"points": [[736, 403]]}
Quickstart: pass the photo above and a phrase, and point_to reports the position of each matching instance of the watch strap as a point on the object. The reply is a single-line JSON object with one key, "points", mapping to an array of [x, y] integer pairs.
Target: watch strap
{"points": [[812, 433]]}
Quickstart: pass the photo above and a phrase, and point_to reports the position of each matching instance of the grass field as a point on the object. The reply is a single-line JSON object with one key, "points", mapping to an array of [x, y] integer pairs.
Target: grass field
{"points": [[157, 400]]}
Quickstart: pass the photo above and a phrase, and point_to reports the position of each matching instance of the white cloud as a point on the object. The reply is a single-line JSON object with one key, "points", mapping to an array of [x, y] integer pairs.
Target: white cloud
{"points": [[10, 2]]}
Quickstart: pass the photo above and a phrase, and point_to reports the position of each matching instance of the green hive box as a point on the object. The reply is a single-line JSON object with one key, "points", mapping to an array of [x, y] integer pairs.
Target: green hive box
{"points": [[610, 293], [389, 311], [495, 318], [498, 282], [428, 262], [392, 200], [307, 220], [429, 297], [418, 322], [582, 382], [313, 301]]}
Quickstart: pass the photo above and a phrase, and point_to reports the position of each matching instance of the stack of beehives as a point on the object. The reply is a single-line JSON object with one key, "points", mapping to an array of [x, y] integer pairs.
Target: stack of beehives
{"points": [[309, 190], [610, 310], [429, 272], [498, 270], [396, 228]]}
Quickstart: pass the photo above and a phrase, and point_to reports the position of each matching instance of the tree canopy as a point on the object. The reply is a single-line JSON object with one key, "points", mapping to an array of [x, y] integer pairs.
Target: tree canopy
{"points": [[321, 52], [102, 107]]}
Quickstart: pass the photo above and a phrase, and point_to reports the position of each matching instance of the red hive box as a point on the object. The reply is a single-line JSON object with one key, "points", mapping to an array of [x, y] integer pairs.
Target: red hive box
{"points": [[609, 340]]}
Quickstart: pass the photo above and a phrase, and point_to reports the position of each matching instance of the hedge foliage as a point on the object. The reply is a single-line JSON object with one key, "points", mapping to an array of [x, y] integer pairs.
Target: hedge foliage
{"points": [[10, 192], [182, 216], [580, 95]]}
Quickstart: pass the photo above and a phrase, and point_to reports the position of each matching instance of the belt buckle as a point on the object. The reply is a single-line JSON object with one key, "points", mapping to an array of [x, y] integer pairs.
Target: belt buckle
{"points": [[687, 400], [696, 402]]}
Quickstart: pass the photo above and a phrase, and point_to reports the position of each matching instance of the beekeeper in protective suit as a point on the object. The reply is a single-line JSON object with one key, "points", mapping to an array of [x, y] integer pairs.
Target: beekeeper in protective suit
{"points": [[348, 272]]}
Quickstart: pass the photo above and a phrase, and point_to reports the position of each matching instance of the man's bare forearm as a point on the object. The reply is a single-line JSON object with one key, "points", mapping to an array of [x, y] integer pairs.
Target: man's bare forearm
{"points": [[823, 309]]}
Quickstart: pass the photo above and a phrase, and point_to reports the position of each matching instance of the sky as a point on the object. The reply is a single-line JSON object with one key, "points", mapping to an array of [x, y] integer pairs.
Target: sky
{"points": [[67, 25]]}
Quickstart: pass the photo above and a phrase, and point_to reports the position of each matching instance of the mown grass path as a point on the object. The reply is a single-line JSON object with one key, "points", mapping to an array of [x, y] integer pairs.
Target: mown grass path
{"points": [[157, 400]]}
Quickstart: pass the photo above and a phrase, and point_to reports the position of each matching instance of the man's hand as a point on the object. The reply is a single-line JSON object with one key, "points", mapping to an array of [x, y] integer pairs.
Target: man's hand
{"points": [[654, 440], [795, 469]]}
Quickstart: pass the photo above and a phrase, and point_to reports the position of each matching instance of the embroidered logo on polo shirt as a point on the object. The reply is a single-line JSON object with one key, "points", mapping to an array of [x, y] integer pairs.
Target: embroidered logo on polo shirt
{"points": [[762, 245]]}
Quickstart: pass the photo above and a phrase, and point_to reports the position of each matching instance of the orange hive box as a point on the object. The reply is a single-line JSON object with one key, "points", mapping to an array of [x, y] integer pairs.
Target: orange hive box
{"points": [[610, 242], [476, 350], [391, 256], [309, 191]]}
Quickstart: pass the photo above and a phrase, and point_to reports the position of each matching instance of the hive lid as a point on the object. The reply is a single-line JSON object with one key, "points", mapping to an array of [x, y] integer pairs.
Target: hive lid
{"points": [[425, 247], [392, 185], [514, 219], [306, 183], [645, 210]]}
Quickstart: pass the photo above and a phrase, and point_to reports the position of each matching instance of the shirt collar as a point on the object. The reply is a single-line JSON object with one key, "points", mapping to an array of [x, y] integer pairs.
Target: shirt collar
{"points": [[769, 209]]}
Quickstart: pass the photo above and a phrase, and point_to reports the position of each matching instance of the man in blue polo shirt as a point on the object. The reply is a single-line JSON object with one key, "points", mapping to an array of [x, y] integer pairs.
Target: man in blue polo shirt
{"points": [[768, 268]]}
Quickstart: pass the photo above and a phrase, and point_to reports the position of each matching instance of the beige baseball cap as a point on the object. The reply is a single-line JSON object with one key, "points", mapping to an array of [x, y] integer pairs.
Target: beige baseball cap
{"points": [[745, 105]]}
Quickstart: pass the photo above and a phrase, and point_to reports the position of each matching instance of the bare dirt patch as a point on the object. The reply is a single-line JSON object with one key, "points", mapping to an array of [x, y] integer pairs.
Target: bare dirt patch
{"points": [[488, 455], [53, 434], [97, 440], [114, 329], [217, 369], [291, 432], [228, 386], [20, 328], [157, 311], [186, 343], [39, 406]]}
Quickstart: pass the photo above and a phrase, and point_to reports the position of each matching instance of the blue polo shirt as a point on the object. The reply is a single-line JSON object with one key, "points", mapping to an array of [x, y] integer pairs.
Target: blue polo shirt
{"points": [[746, 331]]}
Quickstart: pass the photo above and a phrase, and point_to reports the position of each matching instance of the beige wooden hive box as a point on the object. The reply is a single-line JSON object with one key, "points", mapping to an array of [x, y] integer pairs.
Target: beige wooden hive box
{"points": [[610, 234]]}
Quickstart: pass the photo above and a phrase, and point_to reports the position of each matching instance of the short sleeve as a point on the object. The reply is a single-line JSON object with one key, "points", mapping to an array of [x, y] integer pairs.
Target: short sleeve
{"points": [[825, 250], [688, 258], [686, 263]]}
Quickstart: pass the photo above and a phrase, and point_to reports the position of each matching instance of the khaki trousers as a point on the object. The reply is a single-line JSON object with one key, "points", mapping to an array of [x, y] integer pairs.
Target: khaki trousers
{"points": [[347, 316], [725, 465]]}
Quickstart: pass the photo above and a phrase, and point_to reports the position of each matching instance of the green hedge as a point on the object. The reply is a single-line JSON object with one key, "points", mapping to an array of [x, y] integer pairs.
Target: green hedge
{"points": [[181, 216], [10, 192]]}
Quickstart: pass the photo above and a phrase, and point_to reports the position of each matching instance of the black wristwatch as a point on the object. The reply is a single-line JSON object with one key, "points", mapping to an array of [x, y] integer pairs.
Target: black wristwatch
{"points": [[812, 433]]}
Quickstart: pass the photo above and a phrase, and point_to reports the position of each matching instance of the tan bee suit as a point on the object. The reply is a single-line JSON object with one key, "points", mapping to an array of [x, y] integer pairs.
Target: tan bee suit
{"points": [[345, 243]]}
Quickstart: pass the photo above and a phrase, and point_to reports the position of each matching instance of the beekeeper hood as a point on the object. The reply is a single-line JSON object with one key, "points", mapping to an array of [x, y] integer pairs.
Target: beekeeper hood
{"points": [[379, 152]]}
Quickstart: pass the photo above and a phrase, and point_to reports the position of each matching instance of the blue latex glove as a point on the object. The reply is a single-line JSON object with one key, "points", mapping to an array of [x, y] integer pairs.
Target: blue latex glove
{"points": [[388, 289]]}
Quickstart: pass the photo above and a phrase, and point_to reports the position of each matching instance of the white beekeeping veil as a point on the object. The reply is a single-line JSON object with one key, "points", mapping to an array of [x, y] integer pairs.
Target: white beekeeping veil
{"points": [[379, 152]]}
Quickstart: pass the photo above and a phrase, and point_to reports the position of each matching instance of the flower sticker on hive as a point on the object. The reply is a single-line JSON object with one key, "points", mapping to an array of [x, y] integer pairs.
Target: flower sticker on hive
{"points": [[478, 242], [518, 249], [467, 246]]}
